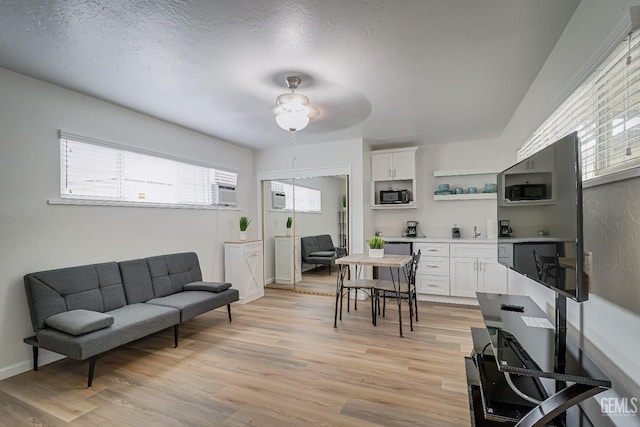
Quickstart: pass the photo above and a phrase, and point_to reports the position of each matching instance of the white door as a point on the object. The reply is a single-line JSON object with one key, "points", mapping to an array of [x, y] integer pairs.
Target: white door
{"points": [[404, 165], [492, 277], [253, 274], [464, 277], [381, 167]]}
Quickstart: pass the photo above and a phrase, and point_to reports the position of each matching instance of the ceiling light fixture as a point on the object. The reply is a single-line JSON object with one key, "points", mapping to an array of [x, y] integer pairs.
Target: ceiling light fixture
{"points": [[293, 110]]}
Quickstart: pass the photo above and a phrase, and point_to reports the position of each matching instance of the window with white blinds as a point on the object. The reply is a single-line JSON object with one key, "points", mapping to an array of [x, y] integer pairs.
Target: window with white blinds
{"points": [[605, 111], [306, 199], [91, 171]]}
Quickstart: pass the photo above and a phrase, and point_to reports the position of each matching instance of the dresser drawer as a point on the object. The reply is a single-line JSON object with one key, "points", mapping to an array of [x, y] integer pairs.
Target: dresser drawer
{"points": [[432, 285], [474, 251], [252, 247], [433, 266], [432, 249]]}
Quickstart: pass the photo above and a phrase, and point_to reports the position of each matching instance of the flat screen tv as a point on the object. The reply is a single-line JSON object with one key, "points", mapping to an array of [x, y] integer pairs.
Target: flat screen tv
{"points": [[540, 218]]}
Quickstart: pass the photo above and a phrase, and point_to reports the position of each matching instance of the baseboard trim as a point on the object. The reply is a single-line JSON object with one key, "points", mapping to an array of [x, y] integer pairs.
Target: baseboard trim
{"points": [[448, 299], [44, 358]]}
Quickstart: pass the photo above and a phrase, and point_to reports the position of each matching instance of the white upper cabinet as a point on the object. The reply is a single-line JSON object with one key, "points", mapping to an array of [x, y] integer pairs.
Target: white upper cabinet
{"points": [[393, 170], [392, 165]]}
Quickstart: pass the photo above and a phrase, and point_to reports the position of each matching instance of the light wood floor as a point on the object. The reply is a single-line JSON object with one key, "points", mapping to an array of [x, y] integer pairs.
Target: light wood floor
{"points": [[316, 282], [279, 363]]}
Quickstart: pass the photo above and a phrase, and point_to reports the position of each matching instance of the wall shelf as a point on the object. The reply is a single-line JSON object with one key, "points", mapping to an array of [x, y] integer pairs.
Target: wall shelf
{"points": [[463, 172], [466, 196], [410, 205]]}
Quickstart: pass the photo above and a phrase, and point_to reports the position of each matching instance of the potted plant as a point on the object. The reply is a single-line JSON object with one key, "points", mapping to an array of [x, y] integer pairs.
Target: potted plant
{"points": [[376, 247], [244, 224], [289, 224]]}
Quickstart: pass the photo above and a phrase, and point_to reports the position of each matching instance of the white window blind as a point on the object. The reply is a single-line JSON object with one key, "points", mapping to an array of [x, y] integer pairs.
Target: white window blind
{"points": [[605, 111], [91, 171], [306, 199]]}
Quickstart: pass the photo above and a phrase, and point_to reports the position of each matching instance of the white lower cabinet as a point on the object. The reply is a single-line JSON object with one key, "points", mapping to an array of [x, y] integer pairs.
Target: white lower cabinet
{"points": [[474, 267], [288, 270], [243, 268], [432, 276]]}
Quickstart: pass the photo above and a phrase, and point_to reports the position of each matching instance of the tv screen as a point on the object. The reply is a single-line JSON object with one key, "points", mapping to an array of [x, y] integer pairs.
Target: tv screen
{"points": [[540, 218]]}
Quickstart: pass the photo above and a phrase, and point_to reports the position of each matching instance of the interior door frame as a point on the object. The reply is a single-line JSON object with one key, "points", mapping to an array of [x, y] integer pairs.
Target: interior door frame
{"points": [[304, 173]]}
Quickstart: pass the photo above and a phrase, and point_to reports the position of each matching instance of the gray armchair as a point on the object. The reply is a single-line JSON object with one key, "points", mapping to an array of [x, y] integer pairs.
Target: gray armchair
{"points": [[319, 250]]}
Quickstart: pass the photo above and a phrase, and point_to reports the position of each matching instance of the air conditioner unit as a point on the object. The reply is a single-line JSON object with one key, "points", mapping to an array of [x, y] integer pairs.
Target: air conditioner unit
{"points": [[278, 200], [223, 195]]}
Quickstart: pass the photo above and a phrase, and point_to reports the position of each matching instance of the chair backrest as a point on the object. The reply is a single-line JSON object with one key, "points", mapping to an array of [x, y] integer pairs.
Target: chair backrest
{"points": [[546, 265], [308, 244], [325, 242], [413, 267]]}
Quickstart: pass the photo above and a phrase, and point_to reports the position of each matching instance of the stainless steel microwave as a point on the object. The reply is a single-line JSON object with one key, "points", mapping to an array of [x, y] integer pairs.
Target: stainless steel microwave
{"points": [[394, 196], [526, 192]]}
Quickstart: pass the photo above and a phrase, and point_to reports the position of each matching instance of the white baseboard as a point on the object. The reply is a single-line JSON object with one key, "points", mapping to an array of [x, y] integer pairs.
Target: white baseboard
{"points": [[44, 358], [270, 280], [447, 299]]}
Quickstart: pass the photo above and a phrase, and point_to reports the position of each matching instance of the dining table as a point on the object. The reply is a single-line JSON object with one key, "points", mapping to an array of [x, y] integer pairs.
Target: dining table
{"points": [[397, 262]]}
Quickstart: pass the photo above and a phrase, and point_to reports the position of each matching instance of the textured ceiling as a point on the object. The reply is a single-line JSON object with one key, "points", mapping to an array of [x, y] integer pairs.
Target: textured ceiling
{"points": [[423, 71]]}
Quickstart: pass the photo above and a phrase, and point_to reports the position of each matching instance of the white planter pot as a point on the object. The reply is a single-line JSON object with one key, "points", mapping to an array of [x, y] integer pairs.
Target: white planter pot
{"points": [[376, 253], [243, 235], [289, 234]]}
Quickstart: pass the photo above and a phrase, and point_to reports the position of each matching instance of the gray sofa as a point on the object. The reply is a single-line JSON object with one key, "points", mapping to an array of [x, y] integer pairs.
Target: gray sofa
{"points": [[319, 250], [83, 311]]}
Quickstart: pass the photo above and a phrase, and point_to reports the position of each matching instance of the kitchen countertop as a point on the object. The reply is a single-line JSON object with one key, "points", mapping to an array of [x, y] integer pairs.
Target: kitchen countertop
{"points": [[438, 240], [536, 239]]}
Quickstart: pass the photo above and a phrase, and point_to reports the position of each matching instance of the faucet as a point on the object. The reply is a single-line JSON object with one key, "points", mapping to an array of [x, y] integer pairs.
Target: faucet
{"points": [[475, 232]]}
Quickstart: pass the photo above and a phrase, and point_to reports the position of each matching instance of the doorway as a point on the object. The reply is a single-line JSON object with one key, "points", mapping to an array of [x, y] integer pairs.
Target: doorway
{"points": [[314, 204]]}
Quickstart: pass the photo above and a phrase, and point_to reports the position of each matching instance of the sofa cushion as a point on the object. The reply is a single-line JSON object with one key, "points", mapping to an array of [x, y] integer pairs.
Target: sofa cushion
{"points": [[111, 285], [55, 291], [323, 254], [193, 303], [131, 322], [169, 273], [79, 322], [207, 286], [136, 280]]}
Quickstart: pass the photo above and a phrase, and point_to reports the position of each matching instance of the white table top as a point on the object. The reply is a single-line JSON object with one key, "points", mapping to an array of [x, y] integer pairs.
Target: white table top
{"points": [[386, 261]]}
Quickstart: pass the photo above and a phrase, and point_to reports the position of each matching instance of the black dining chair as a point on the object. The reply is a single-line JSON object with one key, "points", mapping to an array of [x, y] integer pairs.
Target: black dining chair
{"points": [[406, 290], [546, 266]]}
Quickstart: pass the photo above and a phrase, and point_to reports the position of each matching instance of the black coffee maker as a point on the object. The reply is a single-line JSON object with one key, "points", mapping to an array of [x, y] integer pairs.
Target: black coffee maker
{"points": [[505, 230], [412, 228]]}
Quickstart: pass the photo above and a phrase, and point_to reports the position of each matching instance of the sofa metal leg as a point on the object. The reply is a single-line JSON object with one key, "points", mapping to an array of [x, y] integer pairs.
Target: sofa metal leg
{"points": [[35, 358], [175, 336], [92, 367], [229, 311]]}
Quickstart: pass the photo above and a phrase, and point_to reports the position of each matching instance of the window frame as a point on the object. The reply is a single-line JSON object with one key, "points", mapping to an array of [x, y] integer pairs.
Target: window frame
{"points": [[609, 94], [65, 199]]}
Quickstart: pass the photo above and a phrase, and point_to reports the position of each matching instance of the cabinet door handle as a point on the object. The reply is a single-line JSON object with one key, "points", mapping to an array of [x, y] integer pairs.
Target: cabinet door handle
{"points": [[475, 265], [394, 173], [479, 265], [390, 175]]}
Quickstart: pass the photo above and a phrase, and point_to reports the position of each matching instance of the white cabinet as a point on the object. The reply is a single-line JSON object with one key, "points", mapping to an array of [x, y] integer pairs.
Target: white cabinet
{"points": [[243, 268], [474, 267], [288, 249], [432, 276], [393, 170], [388, 165]]}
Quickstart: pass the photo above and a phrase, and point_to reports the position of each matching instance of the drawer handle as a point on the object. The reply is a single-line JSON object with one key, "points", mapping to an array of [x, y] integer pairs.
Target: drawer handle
{"points": [[433, 250], [433, 266]]}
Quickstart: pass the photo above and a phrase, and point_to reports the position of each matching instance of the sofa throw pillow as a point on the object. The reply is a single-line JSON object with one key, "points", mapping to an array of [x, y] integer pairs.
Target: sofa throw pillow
{"points": [[79, 322], [207, 286]]}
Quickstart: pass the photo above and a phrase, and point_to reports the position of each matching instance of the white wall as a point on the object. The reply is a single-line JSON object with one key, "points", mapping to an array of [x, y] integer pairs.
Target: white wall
{"points": [[608, 331], [35, 236], [436, 218]]}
